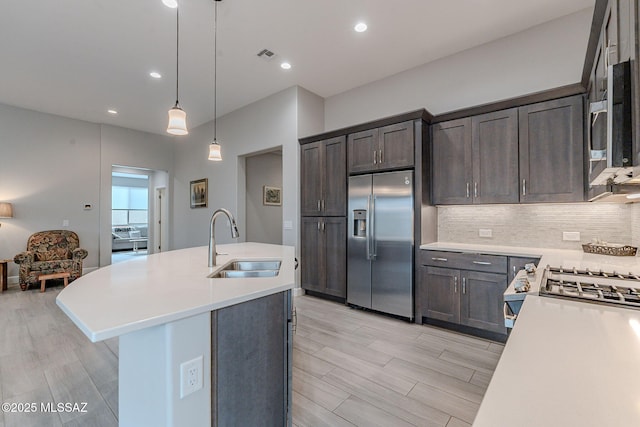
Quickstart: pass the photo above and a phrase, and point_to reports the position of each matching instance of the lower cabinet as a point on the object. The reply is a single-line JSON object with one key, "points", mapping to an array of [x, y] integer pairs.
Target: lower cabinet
{"points": [[469, 298], [251, 349], [323, 255], [464, 290]]}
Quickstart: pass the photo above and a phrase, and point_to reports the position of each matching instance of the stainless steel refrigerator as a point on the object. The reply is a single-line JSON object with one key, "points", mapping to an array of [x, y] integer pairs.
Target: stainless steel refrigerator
{"points": [[380, 242]]}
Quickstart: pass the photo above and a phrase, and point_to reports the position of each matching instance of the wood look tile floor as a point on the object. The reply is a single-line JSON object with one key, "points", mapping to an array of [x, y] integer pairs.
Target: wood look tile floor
{"points": [[350, 368]]}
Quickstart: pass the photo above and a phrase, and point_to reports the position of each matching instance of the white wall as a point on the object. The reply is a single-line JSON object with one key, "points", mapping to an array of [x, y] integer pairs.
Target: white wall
{"points": [[263, 222], [261, 126], [49, 168], [126, 147], [537, 59]]}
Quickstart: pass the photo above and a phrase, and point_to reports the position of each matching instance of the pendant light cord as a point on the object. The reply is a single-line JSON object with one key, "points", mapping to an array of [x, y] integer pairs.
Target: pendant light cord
{"points": [[177, 51], [215, 66]]}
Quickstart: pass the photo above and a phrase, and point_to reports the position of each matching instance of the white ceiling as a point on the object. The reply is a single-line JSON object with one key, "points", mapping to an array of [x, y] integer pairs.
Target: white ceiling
{"points": [[78, 58]]}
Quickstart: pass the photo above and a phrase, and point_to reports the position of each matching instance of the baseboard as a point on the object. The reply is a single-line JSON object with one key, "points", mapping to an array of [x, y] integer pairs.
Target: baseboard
{"points": [[297, 292]]}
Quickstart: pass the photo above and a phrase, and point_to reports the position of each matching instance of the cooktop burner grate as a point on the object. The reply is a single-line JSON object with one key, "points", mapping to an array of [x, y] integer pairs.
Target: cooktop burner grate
{"points": [[592, 286]]}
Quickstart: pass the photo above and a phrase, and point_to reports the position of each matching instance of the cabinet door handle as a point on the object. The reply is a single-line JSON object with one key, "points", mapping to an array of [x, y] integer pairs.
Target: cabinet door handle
{"points": [[514, 271], [464, 285], [322, 226], [380, 156], [375, 154], [318, 205], [455, 285], [524, 187], [468, 192], [475, 189], [482, 262], [318, 225], [439, 259], [322, 204]]}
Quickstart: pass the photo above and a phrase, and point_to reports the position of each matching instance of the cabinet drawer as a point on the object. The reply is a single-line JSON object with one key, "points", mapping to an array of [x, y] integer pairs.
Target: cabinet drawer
{"points": [[465, 261]]}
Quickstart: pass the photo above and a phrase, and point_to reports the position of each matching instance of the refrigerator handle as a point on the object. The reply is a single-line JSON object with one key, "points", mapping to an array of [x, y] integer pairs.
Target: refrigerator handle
{"points": [[372, 227], [368, 231]]}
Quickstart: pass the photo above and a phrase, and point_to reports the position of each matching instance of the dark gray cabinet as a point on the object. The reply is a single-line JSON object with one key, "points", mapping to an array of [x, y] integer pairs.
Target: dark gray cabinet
{"points": [[251, 363], [323, 255], [440, 299], [385, 148], [463, 289], [323, 179], [551, 151], [451, 162], [495, 157], [481, 300], [475, 159]]}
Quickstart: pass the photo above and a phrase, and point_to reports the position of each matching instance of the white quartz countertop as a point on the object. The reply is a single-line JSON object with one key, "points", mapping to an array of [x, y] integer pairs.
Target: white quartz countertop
{"points": [[554, 257], [167, 286], [567, 363]]}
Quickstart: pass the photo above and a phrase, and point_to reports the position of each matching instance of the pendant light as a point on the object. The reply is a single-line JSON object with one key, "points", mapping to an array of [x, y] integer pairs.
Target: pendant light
{"points": [[177, 116], [215, 153]]}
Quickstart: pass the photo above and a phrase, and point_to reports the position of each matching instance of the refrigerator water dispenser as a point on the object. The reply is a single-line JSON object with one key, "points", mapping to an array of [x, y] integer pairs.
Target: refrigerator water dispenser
{"points": [[360, 223]]}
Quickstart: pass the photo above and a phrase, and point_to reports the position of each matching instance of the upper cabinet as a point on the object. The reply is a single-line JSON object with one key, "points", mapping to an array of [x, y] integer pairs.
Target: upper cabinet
{"points": [[527, 154], [551, 151], [385, 148], [324, 178], [475, 159]]}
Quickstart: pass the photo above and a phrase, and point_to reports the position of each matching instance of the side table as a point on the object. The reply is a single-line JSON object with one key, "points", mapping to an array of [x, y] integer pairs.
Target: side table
{"points": [[3, 274]]}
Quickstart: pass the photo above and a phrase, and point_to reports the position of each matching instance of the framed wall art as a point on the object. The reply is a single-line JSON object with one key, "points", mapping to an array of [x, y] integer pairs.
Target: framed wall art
{"points": [[199, 193], [272, 196]]}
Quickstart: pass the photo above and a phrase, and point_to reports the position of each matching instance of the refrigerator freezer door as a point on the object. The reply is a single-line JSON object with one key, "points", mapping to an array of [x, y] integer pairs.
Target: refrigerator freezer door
{"points": [[392, 264], [359, 271]]}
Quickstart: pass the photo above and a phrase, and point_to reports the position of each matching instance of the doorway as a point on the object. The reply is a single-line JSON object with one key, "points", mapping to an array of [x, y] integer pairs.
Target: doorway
{"points": [[263, 204], [129, 214]]}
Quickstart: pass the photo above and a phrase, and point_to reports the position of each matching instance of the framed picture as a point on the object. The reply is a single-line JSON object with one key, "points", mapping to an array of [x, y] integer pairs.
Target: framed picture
{"points": [[198, 193], [272, 196]]}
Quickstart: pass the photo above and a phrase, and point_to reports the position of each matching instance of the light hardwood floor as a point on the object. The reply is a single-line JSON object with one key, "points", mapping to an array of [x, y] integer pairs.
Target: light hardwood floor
{"points": [[350, 368]]}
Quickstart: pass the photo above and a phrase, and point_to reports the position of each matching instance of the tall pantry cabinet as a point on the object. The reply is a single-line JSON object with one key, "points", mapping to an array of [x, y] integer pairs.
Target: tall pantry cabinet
{"points": [[323, 232]]}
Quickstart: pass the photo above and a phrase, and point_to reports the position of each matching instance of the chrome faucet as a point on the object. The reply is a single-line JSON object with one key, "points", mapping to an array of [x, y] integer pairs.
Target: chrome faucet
{"points": [[212, 228]]}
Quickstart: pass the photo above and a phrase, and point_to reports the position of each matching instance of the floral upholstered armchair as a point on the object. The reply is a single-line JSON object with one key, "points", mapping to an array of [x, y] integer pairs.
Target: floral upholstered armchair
{"points": [[53, 251]]}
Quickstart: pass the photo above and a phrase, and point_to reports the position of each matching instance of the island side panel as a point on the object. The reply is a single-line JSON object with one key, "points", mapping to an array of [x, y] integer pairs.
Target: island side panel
{"points": [[250, 350], [149, 374]]}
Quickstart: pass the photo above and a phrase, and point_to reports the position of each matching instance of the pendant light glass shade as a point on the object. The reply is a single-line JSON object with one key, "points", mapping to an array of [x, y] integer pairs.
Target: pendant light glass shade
{"points": [[214, 152], [177, 121], [177, 116]]}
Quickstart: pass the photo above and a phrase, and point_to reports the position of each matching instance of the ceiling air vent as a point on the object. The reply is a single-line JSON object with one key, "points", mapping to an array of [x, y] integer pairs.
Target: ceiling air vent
{"points": [[266, 54]]}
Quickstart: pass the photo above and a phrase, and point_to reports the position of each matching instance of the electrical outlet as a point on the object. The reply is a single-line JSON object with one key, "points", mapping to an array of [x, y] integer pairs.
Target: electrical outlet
{"points": [[485, 232], [571, 236], [191, 374], [65, 222]]}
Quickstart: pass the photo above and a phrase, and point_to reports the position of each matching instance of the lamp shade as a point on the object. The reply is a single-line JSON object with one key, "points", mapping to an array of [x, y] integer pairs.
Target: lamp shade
{"points": [[177, 121], [6, 210], [214, 151]]}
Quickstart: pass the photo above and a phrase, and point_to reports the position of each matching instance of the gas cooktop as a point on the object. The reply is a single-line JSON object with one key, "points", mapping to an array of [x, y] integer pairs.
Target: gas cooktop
{"points": [[592, 286]]}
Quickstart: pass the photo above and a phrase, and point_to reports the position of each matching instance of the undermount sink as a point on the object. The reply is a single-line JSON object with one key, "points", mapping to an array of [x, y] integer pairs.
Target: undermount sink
{"points": [[247, 269]]}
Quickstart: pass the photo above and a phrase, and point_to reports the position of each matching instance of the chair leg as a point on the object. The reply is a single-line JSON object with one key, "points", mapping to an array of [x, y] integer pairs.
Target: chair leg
{"points": [[66, 281], [42, 285]]}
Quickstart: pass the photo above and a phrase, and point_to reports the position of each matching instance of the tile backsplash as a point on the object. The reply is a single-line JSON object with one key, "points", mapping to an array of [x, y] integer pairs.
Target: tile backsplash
{"points": [[540, 225]]}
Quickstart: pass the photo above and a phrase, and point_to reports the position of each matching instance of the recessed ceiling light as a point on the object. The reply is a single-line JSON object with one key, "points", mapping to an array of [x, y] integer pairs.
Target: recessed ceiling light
{"points": [[285, 66], [170, 3], [114, 112], [360, 27], [155, 75]]}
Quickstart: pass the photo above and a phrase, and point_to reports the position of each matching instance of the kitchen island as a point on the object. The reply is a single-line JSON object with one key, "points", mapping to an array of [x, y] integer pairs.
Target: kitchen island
{"points": [[166, 312]]}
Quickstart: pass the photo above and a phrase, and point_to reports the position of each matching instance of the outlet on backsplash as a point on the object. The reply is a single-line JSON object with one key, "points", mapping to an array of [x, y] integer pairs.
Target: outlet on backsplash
{"points": [[571, 236], [485, 232]]}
